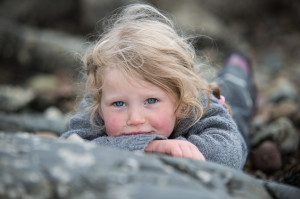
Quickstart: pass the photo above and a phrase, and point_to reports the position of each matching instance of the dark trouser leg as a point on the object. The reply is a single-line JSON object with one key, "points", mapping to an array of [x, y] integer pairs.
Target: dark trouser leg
{"points": [[235, 86]]}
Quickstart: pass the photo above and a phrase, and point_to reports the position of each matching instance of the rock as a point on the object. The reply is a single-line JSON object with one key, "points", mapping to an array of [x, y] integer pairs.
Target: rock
{"points": [[44, 50], [14, 98], [32, 123], [272, 61], [46, 83], [292, 176], [282, 191], [52, 90], [94, 11], [35, 12], [285, 108], [282, 132], [53, 113], [272, 111], [233, 9], [266, 157], [296, 118], [45, 134], [263, 117], [34, 167], [75, 138], [194, 17], [282, 89]]}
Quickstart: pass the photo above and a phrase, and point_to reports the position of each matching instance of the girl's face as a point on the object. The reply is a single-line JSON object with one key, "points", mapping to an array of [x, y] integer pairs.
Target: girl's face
{"points": [[132, 106]]}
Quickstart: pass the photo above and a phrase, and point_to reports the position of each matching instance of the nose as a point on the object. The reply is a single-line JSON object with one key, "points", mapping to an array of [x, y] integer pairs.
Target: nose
{"points": [[135, 117]]}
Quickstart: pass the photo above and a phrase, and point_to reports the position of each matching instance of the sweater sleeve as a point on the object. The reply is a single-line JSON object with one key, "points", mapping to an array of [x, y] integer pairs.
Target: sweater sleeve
{"points": [[217, 137], [128, 142]]}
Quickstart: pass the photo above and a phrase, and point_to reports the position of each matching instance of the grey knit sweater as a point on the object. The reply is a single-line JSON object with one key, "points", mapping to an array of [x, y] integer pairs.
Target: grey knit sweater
{"points": [[215, 134]]}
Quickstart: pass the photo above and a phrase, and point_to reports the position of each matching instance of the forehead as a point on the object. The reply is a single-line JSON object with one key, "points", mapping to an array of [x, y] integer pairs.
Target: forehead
{"points": [[116, 78]]}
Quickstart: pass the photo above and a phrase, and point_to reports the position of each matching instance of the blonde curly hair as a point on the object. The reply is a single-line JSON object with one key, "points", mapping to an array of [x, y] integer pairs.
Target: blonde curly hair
{"points": [[142, 43]]}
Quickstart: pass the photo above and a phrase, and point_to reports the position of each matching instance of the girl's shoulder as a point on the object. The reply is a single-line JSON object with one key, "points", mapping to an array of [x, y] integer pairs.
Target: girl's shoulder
{"points": [[216, 114]]}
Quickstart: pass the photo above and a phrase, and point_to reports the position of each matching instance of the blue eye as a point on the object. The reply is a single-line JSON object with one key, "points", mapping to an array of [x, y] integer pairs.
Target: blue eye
{"points": [[152, 100], [119, 103]]}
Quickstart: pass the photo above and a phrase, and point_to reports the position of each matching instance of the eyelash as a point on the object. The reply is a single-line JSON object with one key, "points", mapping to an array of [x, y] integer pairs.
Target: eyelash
{"points": [[148, 101]]}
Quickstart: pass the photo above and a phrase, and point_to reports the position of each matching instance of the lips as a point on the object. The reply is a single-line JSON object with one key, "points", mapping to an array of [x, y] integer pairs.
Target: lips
{"points": [[138, 133]]}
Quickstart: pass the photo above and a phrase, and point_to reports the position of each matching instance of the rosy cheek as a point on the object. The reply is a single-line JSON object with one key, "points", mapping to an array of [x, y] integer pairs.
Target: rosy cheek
{"points": [[164, 125], [112, 125]]}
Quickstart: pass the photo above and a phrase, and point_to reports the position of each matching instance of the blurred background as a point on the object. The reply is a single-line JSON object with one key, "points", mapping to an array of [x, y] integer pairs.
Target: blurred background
{"points": [[41, 42]]}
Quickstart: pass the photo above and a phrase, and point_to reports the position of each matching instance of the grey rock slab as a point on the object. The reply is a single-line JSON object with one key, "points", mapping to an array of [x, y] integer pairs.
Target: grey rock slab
{"points": [[43, 49], [34, 167], [31, 123], [36, 11], [13, 98]]}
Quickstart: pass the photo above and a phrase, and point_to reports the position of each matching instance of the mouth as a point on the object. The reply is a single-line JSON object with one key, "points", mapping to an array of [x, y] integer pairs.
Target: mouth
{"points": [[138, 133]]}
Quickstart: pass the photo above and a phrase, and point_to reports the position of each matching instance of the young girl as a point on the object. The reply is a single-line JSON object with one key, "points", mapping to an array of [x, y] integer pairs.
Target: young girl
{"points": [[143, 92]]}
